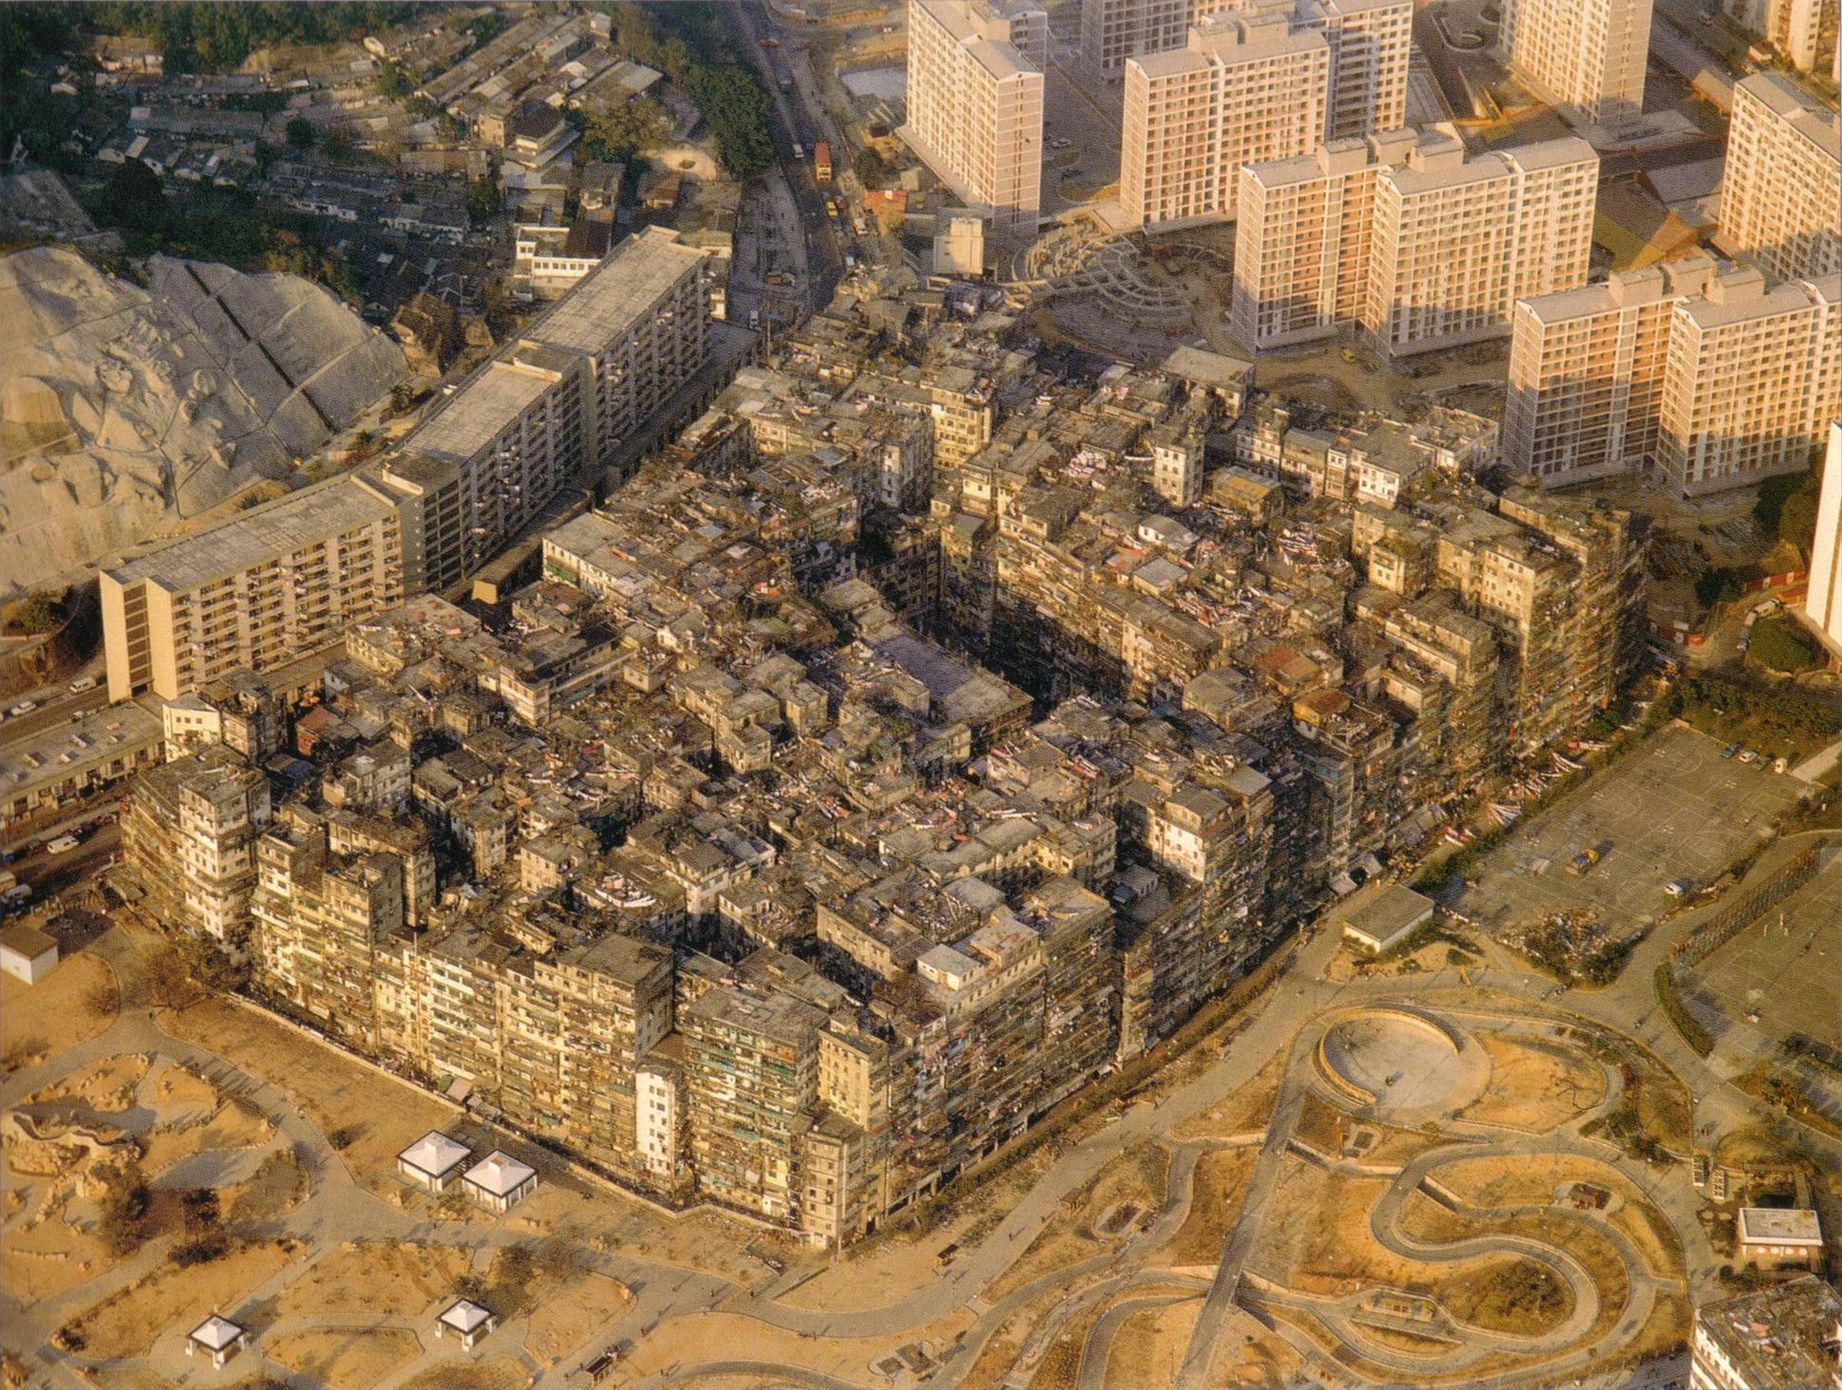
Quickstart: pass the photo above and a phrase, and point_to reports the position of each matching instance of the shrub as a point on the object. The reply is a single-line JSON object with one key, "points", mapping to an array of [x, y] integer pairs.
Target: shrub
{"points": [[37, 612], [122, 1219], [1779, 644], [1685, 1023]]}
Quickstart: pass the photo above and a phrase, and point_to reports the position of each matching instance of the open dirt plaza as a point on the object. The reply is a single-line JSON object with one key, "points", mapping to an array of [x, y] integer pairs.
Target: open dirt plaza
{"points": [[1673, 809]]}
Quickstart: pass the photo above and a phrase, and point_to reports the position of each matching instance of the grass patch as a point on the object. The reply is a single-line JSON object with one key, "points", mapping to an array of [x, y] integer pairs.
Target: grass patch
{"points": [[1780, 645]]}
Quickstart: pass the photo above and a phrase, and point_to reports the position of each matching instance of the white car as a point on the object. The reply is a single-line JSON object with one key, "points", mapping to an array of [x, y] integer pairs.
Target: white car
{"points": [[64, 844], [81, 684], [1678, 889], [23, 707]]}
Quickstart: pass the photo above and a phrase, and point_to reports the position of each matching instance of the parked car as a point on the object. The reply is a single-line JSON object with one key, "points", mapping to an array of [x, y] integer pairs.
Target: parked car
{"points": [[81, 684], [64, 844], [1678, 889], [23, 707]]}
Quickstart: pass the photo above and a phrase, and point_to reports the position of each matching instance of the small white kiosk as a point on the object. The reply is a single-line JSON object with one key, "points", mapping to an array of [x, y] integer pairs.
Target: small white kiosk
{"points": [[466, 1320], [218, 1338]]}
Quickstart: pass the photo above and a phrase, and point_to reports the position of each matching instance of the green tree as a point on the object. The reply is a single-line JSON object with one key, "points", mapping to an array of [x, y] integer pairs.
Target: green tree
{"points": [[133, 201], [483, 200], [869, 167], [1716, 586], [300, 132], [165, 980], [122, 1205], [213, 967], [1779, 644], [512, 1274], [623, 132], [1786, 507], [37, 612]]}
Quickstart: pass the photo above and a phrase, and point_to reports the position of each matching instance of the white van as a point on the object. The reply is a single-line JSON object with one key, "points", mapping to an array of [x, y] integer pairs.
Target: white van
{"points": [[81, 684]]}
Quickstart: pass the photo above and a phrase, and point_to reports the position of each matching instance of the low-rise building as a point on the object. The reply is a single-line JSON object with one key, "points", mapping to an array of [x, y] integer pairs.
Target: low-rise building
{"points": [[1387, 920], [1779, 1338], [1779, 1238]]}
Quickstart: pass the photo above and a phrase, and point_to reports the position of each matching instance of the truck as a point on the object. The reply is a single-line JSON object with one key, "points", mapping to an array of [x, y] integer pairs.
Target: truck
{"points": [[1583, 861], [821, 162]]}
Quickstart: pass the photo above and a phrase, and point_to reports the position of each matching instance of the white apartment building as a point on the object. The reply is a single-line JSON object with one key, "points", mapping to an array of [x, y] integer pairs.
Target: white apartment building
{"points": [[1240, 91], [1586, 54], [1823, 605], [265, 587], [1586, 373], [1113, 31], [1782, 189], [1254, 80], [1405, 235], [1753, 379], [253, 592], [1369, 42], [975, 102], [1704, 371], [1805, 31], [1459, 240], [1303, 236]]}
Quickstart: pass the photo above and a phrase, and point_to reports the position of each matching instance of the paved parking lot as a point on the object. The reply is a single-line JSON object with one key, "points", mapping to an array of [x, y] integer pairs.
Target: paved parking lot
{"points": [[1784, 968], [1674, 809], [1087, 118]]}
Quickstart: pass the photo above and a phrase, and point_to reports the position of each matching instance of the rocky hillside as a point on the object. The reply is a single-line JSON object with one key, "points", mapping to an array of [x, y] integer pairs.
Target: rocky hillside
{"points": [[126, 412]]}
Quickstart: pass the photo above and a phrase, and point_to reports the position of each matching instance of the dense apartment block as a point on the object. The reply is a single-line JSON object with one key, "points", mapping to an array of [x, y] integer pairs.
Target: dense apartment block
{"points": [[1704, 372], [193, 826], [920, 733], [1783, 181], [975, 102], [1589, 55], [267, 586], [1783, 1337], [1409, 238], [1259, 81]]}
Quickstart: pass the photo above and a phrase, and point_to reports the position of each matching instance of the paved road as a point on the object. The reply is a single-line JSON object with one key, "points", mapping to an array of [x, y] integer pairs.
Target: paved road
{"points": [[55, 708]]}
